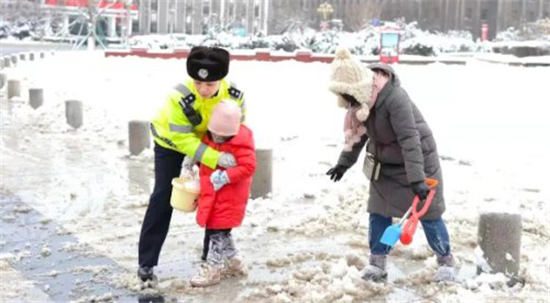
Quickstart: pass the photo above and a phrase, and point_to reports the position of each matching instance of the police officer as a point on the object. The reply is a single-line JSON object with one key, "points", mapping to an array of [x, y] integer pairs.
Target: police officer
{"points": [[177, 131]]}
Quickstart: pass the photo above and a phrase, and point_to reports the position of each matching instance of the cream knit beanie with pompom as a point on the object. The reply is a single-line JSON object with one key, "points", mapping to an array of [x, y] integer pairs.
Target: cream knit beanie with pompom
{"points": [[351, 77]]}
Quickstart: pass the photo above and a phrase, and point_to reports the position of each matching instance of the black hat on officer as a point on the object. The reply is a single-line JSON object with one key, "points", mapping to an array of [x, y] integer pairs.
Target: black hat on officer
{"points": [[208, 63]]}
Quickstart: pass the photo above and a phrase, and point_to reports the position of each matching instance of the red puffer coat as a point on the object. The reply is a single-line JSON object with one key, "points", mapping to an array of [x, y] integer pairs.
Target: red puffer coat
{"points": [[226, 207]]}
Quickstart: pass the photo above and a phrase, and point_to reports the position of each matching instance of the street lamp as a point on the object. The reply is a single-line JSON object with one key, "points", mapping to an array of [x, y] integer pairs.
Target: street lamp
{"points": [[324, 9]]}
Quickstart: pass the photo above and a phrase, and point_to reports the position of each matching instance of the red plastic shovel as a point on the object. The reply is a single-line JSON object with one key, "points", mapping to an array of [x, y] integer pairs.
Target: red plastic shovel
{"points": [[410, 226]]}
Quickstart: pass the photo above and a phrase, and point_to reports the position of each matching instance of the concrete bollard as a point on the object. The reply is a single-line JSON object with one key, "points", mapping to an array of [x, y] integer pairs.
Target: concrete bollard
{"points": [[1, 64], [262, 180], [73, 113], [14, 60], [139, 137], [31, 56], [3, 80], [42, 55], [23, 56], [36, 97], [14, 88], [7, 62], [499, 237]]}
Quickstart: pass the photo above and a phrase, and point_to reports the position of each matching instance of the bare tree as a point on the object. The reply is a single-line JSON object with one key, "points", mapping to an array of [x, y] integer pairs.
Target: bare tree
{"points": [[358, 15], [291, 14], [21, 10]]}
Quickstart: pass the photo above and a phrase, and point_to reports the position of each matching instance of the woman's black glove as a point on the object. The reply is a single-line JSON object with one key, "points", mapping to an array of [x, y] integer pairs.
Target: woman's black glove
{"points": [[337, 172], [420, 189]]}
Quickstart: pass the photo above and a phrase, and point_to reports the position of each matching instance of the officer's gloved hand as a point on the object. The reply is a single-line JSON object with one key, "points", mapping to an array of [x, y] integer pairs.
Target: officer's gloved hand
{"points": [[227, 160], [420, 189], [187, 167], [219, 179], [337, 172]]}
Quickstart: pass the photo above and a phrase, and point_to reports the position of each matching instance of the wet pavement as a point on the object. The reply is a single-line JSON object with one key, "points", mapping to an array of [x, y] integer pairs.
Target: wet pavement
{"points": [[63, 274]]}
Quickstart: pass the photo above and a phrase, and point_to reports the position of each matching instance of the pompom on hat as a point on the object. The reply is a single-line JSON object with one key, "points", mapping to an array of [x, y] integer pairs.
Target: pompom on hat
{"points": [[349, 76], [225, 119], [208, 64]]}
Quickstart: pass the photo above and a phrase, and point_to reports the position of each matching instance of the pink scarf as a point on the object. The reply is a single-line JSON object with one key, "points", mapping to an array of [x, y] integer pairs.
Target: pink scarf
{"points": [[354, 129]]}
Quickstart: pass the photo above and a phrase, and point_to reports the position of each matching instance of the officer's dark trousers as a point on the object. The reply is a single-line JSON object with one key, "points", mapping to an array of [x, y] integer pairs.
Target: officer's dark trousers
{"points": [[157, 218]]}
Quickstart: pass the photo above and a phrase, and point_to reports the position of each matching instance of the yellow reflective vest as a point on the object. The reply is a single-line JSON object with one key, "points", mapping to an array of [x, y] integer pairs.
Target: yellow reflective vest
{"points": [[172, 129]]}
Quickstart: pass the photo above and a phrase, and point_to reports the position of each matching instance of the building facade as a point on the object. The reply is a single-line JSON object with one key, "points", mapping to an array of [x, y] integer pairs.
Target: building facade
{"points": [[276, 16], [252, 17], [199, 16], [469, 15]]}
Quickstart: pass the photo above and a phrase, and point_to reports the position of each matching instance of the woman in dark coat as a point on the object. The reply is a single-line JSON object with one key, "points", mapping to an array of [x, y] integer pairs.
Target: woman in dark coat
{"points": [[381, 115]]}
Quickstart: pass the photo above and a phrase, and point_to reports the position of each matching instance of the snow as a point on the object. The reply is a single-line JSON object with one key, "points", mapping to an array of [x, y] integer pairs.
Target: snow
{"points": [[481, 261], [307, 242], [14, 287]]}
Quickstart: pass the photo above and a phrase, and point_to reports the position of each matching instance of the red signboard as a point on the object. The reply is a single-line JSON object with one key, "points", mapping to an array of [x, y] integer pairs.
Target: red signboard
{"points": [[81, 3]]}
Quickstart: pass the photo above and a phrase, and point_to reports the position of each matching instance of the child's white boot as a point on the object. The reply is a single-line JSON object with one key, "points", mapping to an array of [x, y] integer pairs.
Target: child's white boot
{"points": [[235, 267], [209, 275]]}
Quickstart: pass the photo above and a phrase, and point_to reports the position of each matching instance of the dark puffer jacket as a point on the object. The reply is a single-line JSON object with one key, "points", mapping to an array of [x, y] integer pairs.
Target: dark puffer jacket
{"points": [[402, 141]]}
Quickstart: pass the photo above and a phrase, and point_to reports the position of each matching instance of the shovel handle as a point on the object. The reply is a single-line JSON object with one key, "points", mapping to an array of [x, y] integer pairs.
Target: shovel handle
{"points": [[405, 216], [408, 230]]}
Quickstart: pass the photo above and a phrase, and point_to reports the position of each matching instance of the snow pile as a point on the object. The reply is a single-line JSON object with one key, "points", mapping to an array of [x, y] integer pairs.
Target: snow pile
{"points": [[324, 282], [340, 213]]}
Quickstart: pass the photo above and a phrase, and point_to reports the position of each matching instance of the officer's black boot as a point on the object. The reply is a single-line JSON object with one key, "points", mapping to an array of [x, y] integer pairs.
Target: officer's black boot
{"points": [[145, 273]]}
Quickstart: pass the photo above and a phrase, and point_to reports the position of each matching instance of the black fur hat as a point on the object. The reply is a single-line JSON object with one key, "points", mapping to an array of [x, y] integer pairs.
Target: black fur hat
{"points": [[208, 63]]}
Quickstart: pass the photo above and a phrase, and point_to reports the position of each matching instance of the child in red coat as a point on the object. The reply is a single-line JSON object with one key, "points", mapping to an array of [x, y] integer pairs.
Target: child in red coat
{"points": [[224, 193]]}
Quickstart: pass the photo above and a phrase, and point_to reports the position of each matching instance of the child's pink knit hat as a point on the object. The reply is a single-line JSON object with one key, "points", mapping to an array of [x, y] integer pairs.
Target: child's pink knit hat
{"points": [[225, 119]]}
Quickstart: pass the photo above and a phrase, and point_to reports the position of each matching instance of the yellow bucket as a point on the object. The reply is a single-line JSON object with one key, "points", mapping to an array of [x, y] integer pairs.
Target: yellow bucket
{"points": [[184, 197]]}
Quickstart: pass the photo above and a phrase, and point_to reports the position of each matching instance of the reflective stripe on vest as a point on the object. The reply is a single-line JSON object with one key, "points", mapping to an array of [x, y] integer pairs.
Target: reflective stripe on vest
{"points": [[182, 89], [200, 152], [167, 141], [182, 129]]}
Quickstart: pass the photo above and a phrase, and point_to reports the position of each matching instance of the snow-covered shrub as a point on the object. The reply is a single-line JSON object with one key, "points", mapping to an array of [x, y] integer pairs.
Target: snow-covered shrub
{"points": [[255, 42], [153, 42], [284, 42], [510, 34], [418, 46], [321, 42]]}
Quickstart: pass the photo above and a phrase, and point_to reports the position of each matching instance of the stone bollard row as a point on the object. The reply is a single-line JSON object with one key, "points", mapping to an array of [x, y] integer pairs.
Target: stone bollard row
{"points": [[7, 62], [3, 80], [73, 113], [262, 180], [36, 97], [499, 237], [139, 137], [14, 89]]}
